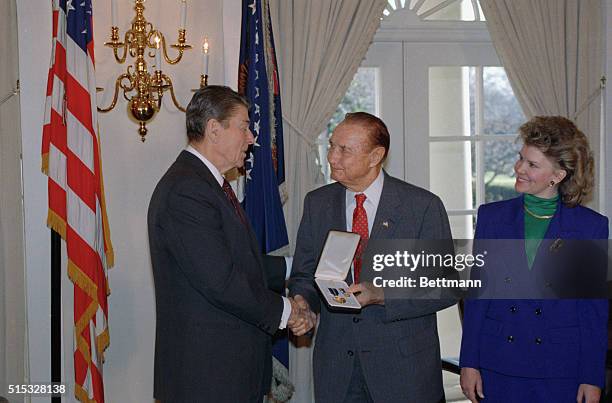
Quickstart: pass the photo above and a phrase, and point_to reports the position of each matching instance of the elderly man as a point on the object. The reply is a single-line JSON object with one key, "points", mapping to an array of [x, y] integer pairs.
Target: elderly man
{"points": [[389, 351], [215, 313]]}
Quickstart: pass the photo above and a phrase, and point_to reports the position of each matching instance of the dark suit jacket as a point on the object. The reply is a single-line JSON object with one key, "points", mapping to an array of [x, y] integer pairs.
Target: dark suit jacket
{"points": [[215, 315], [537, 338], [397, 343]]}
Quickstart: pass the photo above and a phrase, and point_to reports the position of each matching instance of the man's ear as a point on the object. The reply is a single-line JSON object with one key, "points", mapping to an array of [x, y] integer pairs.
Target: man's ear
{"points": [[377, 155], [212, 130]]}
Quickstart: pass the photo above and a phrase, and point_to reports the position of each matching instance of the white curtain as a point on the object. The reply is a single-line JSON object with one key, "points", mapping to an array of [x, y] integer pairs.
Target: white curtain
{"points": [[12, 299], [552, 53], [320, 45]]}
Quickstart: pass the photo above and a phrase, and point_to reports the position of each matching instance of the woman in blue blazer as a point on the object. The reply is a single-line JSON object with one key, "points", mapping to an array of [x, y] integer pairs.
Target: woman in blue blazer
{"points": [[539, 350]]}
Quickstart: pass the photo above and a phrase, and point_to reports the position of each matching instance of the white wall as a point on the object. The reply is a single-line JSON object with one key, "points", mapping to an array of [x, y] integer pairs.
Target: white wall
{"points": [[131, 171], [34, 23]]}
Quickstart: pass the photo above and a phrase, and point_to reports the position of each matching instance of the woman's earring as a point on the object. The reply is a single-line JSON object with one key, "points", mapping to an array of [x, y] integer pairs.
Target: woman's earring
{"points": [[552, 183]]}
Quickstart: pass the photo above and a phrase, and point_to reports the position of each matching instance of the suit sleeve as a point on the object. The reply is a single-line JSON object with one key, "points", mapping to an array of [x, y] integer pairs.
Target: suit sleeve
{"points": [[434, 225], [474, 313], [275, 269], [199, 244], [593, 321], [305, 261]]}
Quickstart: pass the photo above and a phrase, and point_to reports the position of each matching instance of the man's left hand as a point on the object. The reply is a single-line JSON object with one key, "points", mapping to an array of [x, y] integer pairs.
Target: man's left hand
{"points": [[367, 294]]}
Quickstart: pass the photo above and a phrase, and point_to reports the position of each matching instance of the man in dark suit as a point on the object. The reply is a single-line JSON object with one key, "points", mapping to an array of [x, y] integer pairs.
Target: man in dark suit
{"points": [[389, 351], [215, 313]]}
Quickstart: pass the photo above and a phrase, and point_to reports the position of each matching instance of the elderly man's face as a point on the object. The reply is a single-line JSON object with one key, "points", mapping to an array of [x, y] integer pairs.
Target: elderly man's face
{"points": [[353, 160], [234, 140]]}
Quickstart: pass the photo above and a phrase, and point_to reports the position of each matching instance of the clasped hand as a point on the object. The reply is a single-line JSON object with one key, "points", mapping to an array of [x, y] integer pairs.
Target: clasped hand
{"points": [[302, 318]]}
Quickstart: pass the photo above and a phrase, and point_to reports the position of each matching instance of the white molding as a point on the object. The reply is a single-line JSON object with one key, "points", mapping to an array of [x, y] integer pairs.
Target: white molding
{"points": [[405, 25], [474, 138], [472, 32]]}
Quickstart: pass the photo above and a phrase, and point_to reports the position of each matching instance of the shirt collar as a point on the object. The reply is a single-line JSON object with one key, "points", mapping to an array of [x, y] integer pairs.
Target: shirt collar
{"points": [[372, 193], [213, 169]]}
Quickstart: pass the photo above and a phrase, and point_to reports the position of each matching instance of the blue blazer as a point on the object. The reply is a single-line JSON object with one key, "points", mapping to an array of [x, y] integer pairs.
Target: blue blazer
{"points": [[537, 338]]}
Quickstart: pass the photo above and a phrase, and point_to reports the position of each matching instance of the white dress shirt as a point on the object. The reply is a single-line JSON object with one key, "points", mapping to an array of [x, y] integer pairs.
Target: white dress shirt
{"points": [[213, 169], [372, 193]]}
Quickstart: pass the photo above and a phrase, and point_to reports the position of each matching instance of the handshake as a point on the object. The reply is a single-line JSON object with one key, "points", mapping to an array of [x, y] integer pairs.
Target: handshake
{"points": [[302, 318]]}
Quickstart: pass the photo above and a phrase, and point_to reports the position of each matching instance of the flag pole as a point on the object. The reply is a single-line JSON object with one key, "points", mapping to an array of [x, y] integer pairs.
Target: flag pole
{"points": [[56, 311]]}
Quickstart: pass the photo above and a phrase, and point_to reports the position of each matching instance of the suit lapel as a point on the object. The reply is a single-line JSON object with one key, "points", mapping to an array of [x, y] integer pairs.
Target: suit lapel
{"points": [[513, 228], [335, 211], [202, 170], [557, 229], [384, 222]]}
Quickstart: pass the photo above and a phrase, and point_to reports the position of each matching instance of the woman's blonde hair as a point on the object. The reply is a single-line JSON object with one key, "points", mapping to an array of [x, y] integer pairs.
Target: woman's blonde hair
{"points": [[559, 139]]}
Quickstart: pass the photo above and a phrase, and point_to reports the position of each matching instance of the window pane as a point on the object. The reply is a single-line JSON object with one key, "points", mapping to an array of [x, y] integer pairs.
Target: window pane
{"points": [[460, 10], [453, 104], [502, 112], [499, 159], [451, 173], [449, 101]]}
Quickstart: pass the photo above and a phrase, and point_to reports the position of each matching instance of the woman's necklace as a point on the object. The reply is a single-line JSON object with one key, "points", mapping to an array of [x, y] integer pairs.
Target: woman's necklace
{"points": [[541, 217]]}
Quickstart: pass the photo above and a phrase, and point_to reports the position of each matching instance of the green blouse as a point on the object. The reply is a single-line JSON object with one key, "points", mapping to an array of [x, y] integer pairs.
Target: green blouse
{"points": [[535, 227]]}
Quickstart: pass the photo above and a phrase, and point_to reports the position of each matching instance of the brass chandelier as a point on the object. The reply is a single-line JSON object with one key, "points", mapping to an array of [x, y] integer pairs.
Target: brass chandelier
{"points": [[141, 88]]}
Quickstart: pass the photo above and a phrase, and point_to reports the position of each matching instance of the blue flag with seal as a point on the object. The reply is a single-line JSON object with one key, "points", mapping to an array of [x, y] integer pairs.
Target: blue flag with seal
{"points": [[264, 169]]}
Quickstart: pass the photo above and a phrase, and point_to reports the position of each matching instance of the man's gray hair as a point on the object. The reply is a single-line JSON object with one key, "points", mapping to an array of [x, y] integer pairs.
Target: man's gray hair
{"points": [[211, 102]]}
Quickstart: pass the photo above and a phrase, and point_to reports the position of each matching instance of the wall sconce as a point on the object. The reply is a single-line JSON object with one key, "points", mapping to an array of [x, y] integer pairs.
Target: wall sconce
{"points": [[142, 89]]}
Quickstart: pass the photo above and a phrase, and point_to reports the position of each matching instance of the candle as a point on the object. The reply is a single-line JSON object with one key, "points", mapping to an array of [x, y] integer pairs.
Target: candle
{"points": [[114, 12], [157, 54], [183, 14], [205, 57]]}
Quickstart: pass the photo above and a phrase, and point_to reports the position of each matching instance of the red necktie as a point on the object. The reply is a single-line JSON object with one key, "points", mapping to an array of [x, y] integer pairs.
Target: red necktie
{"points": [[360, 227], [229, 192]]}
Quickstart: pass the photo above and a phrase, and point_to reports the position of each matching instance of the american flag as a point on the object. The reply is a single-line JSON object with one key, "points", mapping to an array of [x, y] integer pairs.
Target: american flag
{"points": [[77, 211], [265, 171]]}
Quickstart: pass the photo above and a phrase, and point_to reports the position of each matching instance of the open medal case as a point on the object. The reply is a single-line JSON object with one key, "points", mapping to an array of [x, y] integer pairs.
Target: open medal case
{"points": [[333, 267]]}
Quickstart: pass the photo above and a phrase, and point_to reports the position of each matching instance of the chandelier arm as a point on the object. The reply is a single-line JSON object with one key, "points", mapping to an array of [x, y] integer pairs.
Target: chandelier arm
{"points": [[115, 95], [125, 45], [174, 100], [127, 88], [165, 51], [114, 102], [131, 77]]}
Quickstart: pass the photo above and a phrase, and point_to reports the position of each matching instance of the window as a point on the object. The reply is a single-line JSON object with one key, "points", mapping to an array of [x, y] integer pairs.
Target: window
{"points": [[361, 96], [473, 123], [438, 10]]}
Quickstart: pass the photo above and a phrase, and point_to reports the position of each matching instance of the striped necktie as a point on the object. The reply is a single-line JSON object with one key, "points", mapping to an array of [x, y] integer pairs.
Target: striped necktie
{"points": [[229, 192]]}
